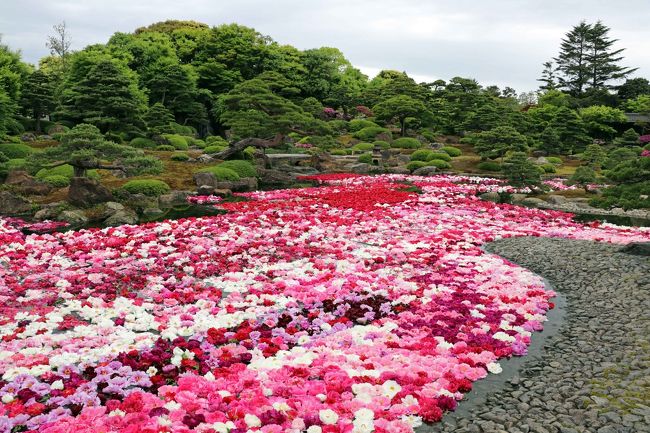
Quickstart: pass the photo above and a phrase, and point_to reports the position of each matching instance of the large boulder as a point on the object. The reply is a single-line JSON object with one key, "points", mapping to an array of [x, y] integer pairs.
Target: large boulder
{"points": [[205, 178], [139, 202], [517, 198], [424, 171], [532, 202], [76, 218], [109, 209], [205, 190], [49, 211], [556, 199], [490, 196], [401, 170], [121, 217], [637, 249], [360, 168], [12, 204], [275, 177], [26, 184], [174, 198], [85, 192]]}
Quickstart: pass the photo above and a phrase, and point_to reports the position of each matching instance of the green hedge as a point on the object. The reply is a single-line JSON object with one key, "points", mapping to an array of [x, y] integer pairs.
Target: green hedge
{"points": [[406, 143], [57, 181], [363, 147], [143, 143], [422, 155], [489, 166], [370, 132], [150, 187], [241, 167], [63, 170], [355, 125], [414, 165], [548, 168], [554, 160], [180, 156], [165, 148], [212, 149], [382, 144], [215, 140], [438, 163], [221, 173], [178, 141], [339, 152], [452, 151], [15, 150], [366, 158]]}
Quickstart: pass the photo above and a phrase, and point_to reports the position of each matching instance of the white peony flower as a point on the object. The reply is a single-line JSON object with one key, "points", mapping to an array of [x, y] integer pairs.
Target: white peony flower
{"points": [[252, 421], [328, 416], [58, 384], [390, 388], [494, 368], [314, 429]]}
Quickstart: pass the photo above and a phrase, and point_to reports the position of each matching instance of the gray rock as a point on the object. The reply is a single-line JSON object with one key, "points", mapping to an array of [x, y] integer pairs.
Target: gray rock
{"points": [[125, 216], [26, 184], [139, 202], [491, 196], [109, 209], [400, 170], [360, 168], [637, 249], [85, 192], [152, 212], [76, 218], [204, 158], [532, 202], [425, 171], [556, 199], [13, 204], [277, 177], [518, 198], [205, 190], [174, 198], [205, 178]]}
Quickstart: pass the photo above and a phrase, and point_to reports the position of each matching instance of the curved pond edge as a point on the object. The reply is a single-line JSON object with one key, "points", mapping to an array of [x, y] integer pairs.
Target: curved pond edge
{"points": [[481, 389]]}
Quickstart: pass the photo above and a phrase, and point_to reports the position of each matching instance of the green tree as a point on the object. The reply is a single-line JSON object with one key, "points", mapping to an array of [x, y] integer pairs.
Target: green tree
{"points": [[253, 110], [633, 88], [60, 43], [158, 119], [84, 148], [37, 99], [602, 59], [107, 97], [549, 78], [572, 130], [13, 73], [401, 108], [599, 120], [521, 172], [583, 176], [572, 60], [594, 156], [496, 142], [640, 104], [628, 138]]}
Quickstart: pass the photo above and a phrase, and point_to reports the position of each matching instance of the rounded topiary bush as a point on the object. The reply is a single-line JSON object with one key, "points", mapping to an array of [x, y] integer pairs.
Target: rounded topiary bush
{"points": [[339, 152], [212, 149], [548, 168], [16, 164], [143, 143], [489, 166], [198, 143], [382, 144], [65, 170], [438, 163], [363, 147], [177, 141], [180, 156], [57, 181], [414, 165], [369, 133], [165, 148], [355, 125], [241, 167], [215, 140], [422, 155], [15, 150], [150, 187], [441, 155], [452, 151], [406, 143], [366, 158], [554, 160], [222, 173]]}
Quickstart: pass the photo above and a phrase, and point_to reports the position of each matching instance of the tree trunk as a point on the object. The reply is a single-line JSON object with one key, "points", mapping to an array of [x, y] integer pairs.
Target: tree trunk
{"points": [[243, 144], [79, 171], [38, 122], [403, 126]]}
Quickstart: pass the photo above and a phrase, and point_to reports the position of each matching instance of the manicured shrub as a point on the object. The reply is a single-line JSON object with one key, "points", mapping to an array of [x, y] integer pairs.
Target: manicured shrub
{"points": [[548, 168], [358, 124], [489, 166], [241, 167], [16, 164], [366, 158], [627, 196], [382, 144], [143, 143], [165, 148], [177, 141], [150, 187], [115, 138], [339, 126], [441, 155], [214, 149], [428, 135], [406, 143], [339, 152], [222, 173], [57, 181], [363, 147], [180, 156], [414, 165], [452, 151], [438, 163], [554, 160], [15, 150], [214, 140], [323, 141], [65, 170], [370, 132], [422, 155]]}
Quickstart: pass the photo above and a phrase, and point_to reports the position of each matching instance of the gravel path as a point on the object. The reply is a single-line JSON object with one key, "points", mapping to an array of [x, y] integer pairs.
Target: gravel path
{"points": [[593, 373]]}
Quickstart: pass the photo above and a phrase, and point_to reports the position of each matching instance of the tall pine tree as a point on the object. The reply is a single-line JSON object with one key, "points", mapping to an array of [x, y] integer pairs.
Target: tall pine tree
{"points": [[603, 59], [572, 60]]}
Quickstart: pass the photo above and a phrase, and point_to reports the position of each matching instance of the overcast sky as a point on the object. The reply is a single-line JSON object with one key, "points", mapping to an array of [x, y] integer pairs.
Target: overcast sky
{"points": [[502, 42]]}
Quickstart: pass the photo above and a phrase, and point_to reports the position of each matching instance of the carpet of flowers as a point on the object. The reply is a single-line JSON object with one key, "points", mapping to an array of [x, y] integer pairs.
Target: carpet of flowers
{"points": [[366, 304]]}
